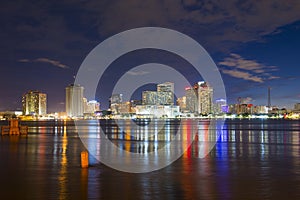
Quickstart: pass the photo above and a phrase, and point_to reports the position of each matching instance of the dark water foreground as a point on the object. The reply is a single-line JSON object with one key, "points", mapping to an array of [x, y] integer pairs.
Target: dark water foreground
{"points": [[253, 159]]}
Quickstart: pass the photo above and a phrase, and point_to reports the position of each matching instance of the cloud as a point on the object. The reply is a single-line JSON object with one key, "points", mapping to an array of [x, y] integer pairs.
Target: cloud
{"points": [[243, 75], [24, 60], [246, 100], [137, 73], [46, 60], [219, 23], [273, 77], [239, 62], [239, 67]]}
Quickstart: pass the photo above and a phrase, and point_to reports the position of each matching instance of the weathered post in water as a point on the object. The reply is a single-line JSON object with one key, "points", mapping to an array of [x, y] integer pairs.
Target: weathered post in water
{"points": [[14, 127], [84, 159]]}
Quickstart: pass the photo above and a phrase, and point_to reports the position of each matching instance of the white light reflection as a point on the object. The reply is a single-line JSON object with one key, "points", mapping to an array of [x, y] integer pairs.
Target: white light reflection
{"points": [[175, 138], [64, 166]]}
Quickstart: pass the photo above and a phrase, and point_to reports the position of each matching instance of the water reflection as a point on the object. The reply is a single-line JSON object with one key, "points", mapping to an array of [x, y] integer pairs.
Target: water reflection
{"points": [[149, 146], [250, 160], [63, 193]]}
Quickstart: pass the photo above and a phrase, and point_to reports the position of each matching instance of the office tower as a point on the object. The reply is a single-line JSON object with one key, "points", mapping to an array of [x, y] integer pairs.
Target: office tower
{"points": [[91, 106], [191, 99], [149, 98], [181, 102], [220, 106], [163, 96], [34, 103], [165, 87], [85, 104], [74, 100], [122, 108], [297, 107], [205, 96], [115, 99], [114, 102], [157, 98], [166, 91]]}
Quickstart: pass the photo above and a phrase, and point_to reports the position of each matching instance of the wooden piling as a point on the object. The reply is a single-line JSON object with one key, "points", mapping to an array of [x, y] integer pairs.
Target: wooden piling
{"points": [[84, 159], [14, 128]]}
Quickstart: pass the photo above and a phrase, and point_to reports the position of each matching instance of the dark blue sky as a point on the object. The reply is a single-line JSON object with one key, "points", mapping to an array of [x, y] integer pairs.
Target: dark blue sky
{"points": [[254, 44]]}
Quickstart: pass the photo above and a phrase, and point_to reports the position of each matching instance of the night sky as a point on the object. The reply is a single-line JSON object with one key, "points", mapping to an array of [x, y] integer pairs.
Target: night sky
{"points": [[255, 44]]}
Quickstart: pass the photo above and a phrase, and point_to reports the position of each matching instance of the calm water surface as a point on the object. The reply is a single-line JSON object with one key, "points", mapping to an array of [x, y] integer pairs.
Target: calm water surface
{"points": [[253, 159]]}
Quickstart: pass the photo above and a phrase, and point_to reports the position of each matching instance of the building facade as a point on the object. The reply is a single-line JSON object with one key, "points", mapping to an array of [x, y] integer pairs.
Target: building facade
{"points": [[158, 111], [74, 100], [220, 106], [149, 98], [166, 91], [121, 108], [191, 99], [34, 103], [199, 99], [181, 102], [205, 98], [163, 96], [297, 107], [115, 99], [91, 106]]}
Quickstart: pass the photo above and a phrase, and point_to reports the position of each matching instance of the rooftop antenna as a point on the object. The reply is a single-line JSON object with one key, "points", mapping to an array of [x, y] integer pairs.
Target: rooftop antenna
{"points": [[269, 97]]}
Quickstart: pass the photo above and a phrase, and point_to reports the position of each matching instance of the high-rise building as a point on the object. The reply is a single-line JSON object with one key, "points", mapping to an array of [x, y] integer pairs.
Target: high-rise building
{"points": [[166, 91], [165, 87], [74, 100], [116, 98], [91, 106], [149, 98], [34, 103], [205, 98], [181, 102], [191, 99], [121, 108], [220, 106], [157, 98], [297, 107], [114, 102], [163, 96]]}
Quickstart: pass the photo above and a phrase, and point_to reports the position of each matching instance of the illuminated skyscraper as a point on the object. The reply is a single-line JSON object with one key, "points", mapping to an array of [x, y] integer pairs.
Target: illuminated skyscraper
{"points": [[74, 100], [191, 99], [220, 106], [163, 96], [199, 98], [149, 98], [166, 91], [34, 103], [90, 106], [157, 98], [115, 98], [114, 102], [181, 102], [297, 107], [165, 87], [205, 98]]}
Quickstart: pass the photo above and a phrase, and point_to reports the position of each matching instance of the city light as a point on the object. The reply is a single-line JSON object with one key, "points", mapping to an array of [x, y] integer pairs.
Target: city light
{"points": [[196, 103]]}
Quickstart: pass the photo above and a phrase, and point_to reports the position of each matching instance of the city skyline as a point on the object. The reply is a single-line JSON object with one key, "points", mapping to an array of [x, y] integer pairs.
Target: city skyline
{"points": [[255, 45], [197, 99]]}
